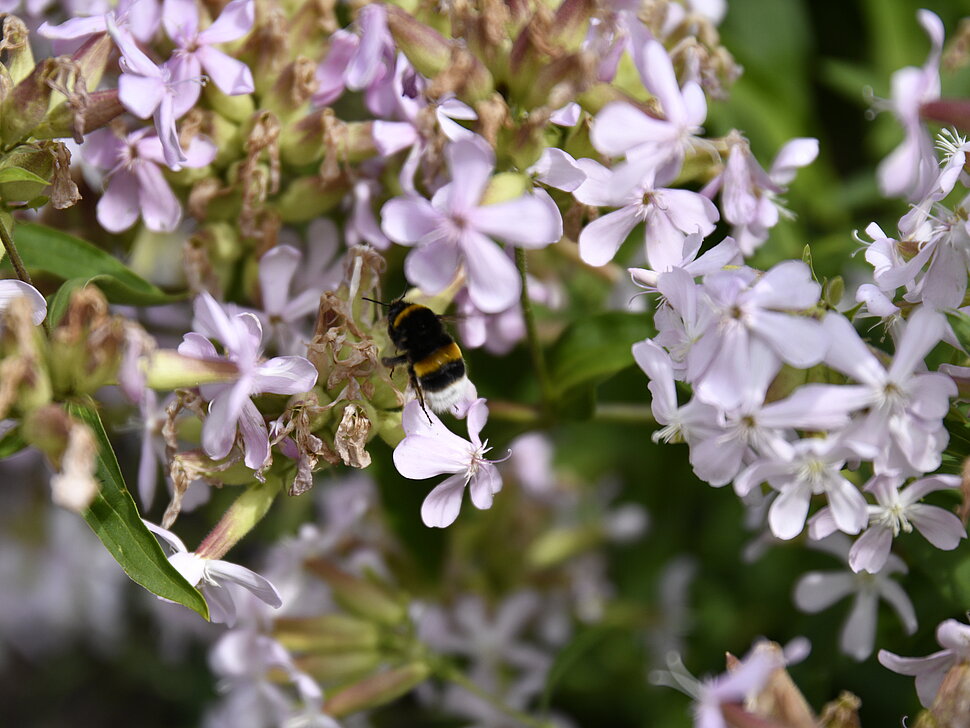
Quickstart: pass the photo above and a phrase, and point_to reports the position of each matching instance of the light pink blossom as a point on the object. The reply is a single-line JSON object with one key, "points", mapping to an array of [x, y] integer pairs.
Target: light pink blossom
{"points": [[929, 671], [429, 448], [455, 230]]}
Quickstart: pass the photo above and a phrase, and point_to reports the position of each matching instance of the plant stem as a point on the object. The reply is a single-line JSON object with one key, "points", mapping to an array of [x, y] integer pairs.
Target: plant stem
{"points": [[454, 675], [15, 259], [535, 346], [513, 412], [635, 414]]}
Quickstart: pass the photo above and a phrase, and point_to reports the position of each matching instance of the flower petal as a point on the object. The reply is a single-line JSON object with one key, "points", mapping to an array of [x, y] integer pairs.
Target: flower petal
{"points": [[493, 280], [440, 508]]}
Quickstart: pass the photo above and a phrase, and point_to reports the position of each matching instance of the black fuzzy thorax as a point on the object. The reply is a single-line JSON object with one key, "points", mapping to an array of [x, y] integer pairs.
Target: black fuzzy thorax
{"points": [[419, 334]]}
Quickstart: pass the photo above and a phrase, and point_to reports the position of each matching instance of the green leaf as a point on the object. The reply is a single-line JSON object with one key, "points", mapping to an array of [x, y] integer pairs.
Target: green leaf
{"points": [[595, 348], [114, 518], [19, 174], [12, 442], [46, 249], [960, 323]]}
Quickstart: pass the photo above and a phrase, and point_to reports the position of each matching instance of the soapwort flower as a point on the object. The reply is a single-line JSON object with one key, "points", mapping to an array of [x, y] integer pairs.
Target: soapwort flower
{"points": [[214, 578], [429, 448], [929, 671]]}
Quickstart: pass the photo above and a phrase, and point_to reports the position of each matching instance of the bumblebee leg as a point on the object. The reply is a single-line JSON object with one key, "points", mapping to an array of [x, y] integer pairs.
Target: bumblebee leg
{"points": [[392, 361], [419, 392]]}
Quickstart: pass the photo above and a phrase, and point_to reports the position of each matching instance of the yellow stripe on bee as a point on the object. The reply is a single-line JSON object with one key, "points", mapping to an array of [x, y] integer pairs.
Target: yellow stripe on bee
{"points": [[405, 312], [432, 363]]}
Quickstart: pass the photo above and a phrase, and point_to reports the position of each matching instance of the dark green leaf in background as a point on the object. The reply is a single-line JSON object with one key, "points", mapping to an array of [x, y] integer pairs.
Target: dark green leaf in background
{"points": [[65, 256], [595, 348]]}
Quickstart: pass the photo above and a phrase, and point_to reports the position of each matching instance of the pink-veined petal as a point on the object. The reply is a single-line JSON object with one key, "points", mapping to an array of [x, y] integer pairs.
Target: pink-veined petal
{"points": [[600, 239], [259, 586], [285, 375], [119, 208], [159, 207], [859, 631], [484, 485], [871, 550], [471, 162], [141, 95], [493, 281], [441, 506], [276, 270], [232, 76], [788, 513], [255, 436], [235, 20], [433, 266], [818, 590], [529, 221], [938, 526], [406, 220]]}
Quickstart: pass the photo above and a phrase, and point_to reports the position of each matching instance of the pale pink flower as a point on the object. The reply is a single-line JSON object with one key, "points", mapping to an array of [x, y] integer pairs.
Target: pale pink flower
{"points": [[671, 217], [903, 428], [455, 230], [753, 313], [818, 590], [654, 147], [230, 405], [147, 89], [911, 168], [194, 52], [900, 511], [134, 184], [814, 468], [429, 449], [216, 579], [954, 638], [749, 195]]}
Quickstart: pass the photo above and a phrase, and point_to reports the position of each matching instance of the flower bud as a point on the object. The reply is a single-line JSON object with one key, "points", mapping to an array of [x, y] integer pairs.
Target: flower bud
{"points": [[326, 633], [37, 159], [167, 369], [452, 67], [427, 50], [560, 544], [340, 668], [97, 110], [20, 58], [843, 712], [363, 597], [951, 707], [291, 93], [86, 346], [245, 512], [948, 112], [310, 197], [571, 22], [238, 108], [377, 689], [26, 105], [24, 382], [505, 186], [833, 291]]}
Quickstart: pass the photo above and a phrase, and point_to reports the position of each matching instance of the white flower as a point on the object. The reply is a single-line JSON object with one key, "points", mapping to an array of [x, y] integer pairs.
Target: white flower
{"points": [[213, 577], [429, 448]]}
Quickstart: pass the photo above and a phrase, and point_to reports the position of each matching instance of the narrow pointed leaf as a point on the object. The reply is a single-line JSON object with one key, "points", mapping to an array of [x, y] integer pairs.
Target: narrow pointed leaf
{"points": [[114, 518]]}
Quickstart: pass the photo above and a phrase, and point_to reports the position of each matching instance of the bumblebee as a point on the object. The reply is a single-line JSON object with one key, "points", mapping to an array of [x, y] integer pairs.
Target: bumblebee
{"points": [[434, 362]]}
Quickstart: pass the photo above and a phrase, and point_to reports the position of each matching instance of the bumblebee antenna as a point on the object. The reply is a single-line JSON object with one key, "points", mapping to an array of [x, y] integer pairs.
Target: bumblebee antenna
{"points": [[379, 303]]}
